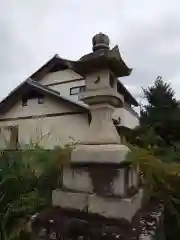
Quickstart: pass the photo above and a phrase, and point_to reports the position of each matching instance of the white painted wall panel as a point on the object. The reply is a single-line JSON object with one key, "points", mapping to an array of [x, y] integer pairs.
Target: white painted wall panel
{"points": [[128, 119], [48, 131], [63, 75], [64, 88], [33, 108]]}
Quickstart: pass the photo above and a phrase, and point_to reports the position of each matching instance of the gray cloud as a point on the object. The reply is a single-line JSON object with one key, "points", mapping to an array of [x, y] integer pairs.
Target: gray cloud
{"points": [[154, 47], [147, 32]]}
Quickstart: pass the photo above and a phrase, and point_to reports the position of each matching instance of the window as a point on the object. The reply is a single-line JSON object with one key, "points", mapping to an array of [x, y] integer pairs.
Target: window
{"points": [[112, 80], [32, 95], [14, 137], [77, 90], [40, 100], [9, 137], [24, 102]]}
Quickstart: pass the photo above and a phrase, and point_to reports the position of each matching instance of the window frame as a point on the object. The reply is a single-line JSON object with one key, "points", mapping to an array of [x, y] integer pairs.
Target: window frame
{"points": [[81, 88], [41, 100], [24, 102]]}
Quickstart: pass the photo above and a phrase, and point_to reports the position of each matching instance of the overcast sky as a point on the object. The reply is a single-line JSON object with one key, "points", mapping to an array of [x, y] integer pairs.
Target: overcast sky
{"points": [[147, 32]]}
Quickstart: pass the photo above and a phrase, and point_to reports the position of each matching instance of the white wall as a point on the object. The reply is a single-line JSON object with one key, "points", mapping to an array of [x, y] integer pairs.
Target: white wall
{"points": [[60, 76], [47, 131], [64, 88], [64, 78], [33, 108], [128, 119]]}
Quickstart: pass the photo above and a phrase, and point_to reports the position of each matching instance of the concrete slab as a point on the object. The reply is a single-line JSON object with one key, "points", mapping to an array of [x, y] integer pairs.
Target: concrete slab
{"points": [[69, 200], [105, 154]]}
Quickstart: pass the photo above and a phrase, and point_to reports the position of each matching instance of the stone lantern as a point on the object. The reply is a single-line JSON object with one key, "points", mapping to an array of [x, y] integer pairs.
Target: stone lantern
{"points": [[99, 180], [101, 69], [100, 195]]}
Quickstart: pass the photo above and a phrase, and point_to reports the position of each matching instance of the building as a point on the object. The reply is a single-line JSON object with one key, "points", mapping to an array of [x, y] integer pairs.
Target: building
{"points": [[45, 108]]}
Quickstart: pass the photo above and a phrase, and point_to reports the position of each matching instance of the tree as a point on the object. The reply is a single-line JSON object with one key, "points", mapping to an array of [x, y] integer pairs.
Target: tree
{"points": [[159, 136], [162, 112]]}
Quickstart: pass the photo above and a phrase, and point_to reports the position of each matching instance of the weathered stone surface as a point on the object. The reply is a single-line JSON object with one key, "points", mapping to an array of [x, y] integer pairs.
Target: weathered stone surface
{"points": [[133, 177], [103, 95], [77, 180], [118, 184], [102, 124], [69, 200], [105, 154], [115, 207], [130, 178]]}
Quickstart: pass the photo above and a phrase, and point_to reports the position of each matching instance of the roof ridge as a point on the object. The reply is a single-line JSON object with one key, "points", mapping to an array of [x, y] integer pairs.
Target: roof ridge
{"points": [[43, 86]]}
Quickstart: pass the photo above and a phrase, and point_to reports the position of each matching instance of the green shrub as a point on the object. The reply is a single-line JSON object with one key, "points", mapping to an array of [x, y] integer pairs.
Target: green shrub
{"points": [[27, 178]]}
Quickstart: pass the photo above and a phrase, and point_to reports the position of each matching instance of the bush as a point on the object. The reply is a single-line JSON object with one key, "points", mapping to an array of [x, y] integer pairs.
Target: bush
{"points": [[27, 178]]}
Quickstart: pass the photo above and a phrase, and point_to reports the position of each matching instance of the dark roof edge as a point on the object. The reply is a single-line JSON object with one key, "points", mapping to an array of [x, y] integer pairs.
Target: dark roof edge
{"points": [[128, 94], [55, 93], [55, 61], [42, 88]]}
